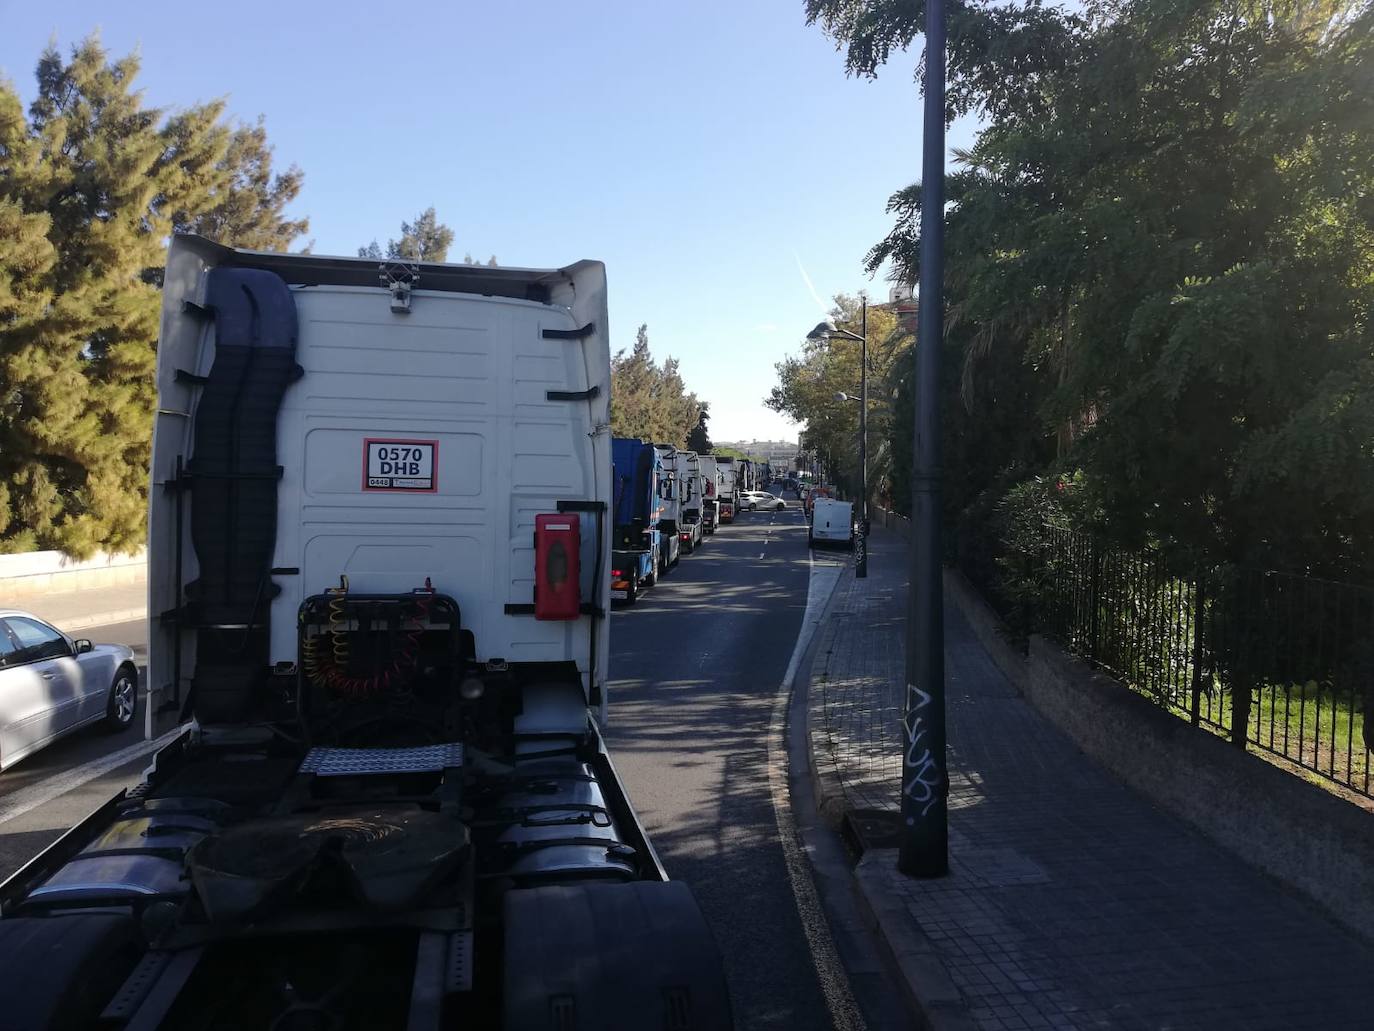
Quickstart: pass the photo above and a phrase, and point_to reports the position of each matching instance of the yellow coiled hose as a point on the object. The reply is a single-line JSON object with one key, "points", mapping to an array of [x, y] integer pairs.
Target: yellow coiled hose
{"points": [[333, 673], [338, 622], [321, 673]]}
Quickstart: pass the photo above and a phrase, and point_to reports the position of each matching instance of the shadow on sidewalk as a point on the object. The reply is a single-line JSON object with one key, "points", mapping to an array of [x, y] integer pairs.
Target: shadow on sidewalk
{"points": [[1072, 901]]}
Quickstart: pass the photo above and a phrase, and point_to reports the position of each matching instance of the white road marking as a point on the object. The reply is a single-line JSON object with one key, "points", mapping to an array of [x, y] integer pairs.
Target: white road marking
{"points": [[844, 1012], [31, 797]]}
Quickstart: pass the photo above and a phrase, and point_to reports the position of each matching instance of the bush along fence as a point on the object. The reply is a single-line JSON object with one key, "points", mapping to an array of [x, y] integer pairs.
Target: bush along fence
{"points": [[1273, 662]]}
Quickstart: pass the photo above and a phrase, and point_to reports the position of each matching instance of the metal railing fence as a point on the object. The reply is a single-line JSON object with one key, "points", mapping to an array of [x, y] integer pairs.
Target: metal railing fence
{"points": [[1272, 661]]}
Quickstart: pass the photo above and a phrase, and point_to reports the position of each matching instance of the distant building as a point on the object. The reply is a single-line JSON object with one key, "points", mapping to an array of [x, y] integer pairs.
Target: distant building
{"points": [[901, 301], [776, 453]]}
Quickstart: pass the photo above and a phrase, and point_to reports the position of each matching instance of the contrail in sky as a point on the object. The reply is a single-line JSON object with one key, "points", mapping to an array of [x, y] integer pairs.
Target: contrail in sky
{"points": [[825, 310]]}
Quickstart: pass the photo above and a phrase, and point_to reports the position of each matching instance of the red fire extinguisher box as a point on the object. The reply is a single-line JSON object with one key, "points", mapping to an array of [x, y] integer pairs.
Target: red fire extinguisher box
{"points": [[557, 566]]}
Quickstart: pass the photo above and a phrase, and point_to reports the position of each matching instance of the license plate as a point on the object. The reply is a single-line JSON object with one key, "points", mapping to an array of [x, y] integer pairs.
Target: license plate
{"points": [[619, 595]]}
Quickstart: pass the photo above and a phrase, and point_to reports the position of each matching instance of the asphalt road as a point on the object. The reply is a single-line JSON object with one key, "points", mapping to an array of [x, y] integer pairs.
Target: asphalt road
{"points": [[43, 795], [696, 666], [696, 669]]}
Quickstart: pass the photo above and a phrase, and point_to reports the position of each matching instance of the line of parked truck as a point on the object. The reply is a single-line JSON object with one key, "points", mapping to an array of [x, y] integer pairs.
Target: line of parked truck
{"points": [[667, 501]]}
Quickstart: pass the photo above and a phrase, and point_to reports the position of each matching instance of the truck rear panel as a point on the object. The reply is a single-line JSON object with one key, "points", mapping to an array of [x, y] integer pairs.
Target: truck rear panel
{"points": [[485, 389]]}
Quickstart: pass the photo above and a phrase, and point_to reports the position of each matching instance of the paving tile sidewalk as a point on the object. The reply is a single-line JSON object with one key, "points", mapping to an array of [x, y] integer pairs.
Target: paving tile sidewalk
{"points": [[73, 611], [1072, 902]]}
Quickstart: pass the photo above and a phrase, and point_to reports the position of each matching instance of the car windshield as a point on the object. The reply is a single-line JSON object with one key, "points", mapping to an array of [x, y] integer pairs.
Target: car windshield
{"points": [[36, 640]]}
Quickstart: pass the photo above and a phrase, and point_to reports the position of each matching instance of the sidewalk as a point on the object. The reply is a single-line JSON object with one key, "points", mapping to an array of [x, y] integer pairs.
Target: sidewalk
{"points": [[74, 611], [1072, 902]]}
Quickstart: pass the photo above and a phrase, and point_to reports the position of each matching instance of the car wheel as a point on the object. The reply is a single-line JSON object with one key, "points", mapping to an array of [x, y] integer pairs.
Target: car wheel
{"points": [[632, 591], [123, 703], [652, 578]]}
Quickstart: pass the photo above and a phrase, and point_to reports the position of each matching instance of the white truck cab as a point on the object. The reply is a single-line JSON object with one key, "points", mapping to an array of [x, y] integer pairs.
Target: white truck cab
{"points": [[670, 520], [710, 502], [727, 489], [692, 528]]}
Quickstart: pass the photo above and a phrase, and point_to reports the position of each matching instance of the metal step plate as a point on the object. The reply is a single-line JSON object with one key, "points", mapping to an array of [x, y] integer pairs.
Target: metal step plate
{"points": [[354, 762]]}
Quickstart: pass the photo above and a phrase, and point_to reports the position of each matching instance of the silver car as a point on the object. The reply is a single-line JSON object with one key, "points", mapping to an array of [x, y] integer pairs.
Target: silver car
{"points": [[52, 684], [754, 500]]}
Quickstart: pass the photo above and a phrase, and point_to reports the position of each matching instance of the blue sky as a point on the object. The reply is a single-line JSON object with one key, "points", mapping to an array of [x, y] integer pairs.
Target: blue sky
{"points": [[707, 152]]}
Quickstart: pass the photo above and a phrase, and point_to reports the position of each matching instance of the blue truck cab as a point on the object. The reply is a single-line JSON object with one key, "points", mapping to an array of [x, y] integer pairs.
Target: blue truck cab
{"points": [[636, 540]]}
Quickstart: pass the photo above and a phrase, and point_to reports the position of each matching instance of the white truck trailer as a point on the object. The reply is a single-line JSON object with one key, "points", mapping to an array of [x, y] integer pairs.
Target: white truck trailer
{"points": [[378, 589]]}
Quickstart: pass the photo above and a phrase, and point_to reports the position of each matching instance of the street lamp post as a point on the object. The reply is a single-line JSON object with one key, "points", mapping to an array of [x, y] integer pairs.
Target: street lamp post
{"points": [[924, 847], [829, 331]]}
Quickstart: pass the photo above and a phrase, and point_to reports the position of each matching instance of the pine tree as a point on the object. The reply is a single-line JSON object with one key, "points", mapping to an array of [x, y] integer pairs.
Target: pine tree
{"points": [[250, 207], [647, 401], [699, 440], [27, 259], [91, 185], [425, 239]]}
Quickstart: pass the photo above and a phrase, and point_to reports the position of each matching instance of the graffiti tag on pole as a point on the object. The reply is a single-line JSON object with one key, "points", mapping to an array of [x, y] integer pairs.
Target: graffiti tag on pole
{"points": [[920, 769]]}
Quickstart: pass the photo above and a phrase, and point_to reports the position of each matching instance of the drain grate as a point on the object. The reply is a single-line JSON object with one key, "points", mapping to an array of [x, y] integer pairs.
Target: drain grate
{"points": [[864, 829]]}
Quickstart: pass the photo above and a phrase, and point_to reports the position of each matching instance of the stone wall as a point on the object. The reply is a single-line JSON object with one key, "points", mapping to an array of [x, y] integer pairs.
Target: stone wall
{"points": [[1310, 839], [36, 573]]}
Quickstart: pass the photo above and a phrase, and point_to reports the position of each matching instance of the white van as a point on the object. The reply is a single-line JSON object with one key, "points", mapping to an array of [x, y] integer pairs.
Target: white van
{"points": [[832, 522]]}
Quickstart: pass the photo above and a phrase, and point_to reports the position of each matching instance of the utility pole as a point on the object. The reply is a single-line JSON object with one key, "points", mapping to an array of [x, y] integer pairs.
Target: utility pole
{"points": [[861, 561], [924, 850], [829, 331]]}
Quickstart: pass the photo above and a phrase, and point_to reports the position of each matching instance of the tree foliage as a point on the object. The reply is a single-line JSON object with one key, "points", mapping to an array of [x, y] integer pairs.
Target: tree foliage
{"points": [[92, 182], [651, 401], [250, 209], [699, 439], [808, 383], [1160, 266], [425, 239]]}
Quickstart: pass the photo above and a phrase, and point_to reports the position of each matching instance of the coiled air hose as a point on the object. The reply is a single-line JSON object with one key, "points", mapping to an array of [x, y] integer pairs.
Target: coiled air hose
{"points": [[333, 672]]}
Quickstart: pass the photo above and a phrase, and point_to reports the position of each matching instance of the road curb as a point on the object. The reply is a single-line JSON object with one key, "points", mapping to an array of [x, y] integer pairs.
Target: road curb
{"points": [[825, 773], [930, 994], [102, 619], [929, 989]]}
